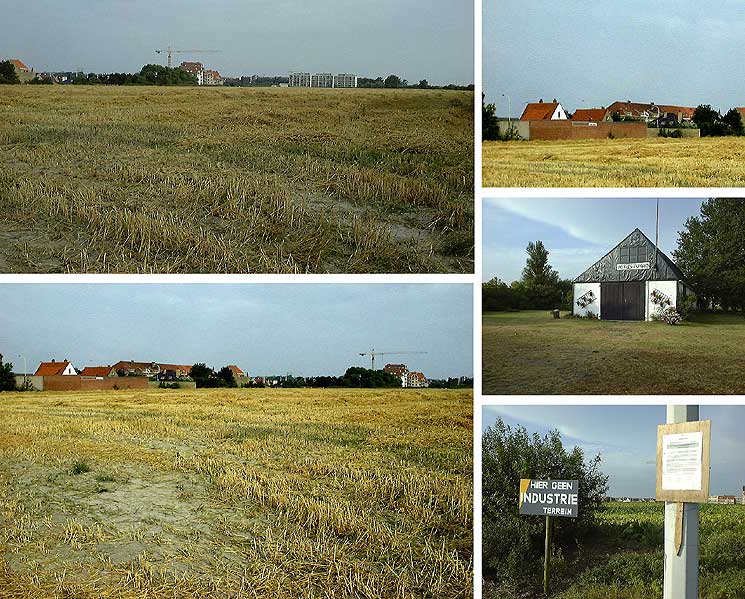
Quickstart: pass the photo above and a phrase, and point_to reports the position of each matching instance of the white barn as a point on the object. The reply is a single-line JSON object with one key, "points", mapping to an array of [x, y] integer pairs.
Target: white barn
{"points": [[631, 282]]}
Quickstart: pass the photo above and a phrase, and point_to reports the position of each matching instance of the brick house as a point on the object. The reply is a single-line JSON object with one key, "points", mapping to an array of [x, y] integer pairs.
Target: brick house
{"points": [[591, 115], [99, 371], [416, 379], [544, 111], [640, 111], [54, 368]]}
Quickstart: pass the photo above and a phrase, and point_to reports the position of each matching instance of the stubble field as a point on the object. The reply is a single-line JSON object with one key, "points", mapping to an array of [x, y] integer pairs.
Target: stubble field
{"points": [[657, 162], [143, 179], [236, 493]]}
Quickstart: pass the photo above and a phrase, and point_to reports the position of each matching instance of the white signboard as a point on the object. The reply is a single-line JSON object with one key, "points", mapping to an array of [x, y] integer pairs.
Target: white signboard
{"points": [[633, 266], [682, 457]]}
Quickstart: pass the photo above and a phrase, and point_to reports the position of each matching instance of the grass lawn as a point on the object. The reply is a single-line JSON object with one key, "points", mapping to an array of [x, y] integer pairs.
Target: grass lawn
{"points": [[236, 493], [198, 179], [624, 558], [531, 353], [704, 162]]}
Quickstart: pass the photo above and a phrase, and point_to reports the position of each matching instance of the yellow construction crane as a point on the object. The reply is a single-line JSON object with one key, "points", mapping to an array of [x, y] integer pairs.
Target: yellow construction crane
{"points": [[372, 353], [170, 51]]}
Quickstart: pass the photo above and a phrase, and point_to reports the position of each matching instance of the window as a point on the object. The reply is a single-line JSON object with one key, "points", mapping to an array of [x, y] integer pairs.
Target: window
{"points": [[633, 254]]}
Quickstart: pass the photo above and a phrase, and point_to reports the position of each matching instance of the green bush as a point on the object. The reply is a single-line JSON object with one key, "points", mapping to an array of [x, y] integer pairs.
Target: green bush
{"points": [[513, 544]]}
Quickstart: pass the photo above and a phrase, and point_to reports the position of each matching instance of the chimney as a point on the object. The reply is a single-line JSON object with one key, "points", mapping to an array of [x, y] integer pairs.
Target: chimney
{"points": [[52, 360], [540, 101], [555, 102]]}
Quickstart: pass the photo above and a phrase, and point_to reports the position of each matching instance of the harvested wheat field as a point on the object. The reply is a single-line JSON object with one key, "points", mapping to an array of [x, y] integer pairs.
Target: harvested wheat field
{"points": [[656, 162], [155, 179], [236, 493]]}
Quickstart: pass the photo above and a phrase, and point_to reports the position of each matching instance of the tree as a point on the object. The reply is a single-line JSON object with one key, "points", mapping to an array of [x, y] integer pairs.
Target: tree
{"points": [[733, 120], [711, 253], [423, 84], [709, 121], [489, 122], [537, 270], [513, 544], [8, 73], [202, 375], [227, 377], [393, 81], [7, 378]]}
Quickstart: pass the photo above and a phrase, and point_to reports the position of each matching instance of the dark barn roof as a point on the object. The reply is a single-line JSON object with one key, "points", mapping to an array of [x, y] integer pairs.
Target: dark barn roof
{"points": [[607, 268]]}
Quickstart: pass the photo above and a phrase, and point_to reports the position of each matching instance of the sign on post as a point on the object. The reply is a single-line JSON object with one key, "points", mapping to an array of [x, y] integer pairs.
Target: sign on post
{"points": [[549, 497], [683, 458]]}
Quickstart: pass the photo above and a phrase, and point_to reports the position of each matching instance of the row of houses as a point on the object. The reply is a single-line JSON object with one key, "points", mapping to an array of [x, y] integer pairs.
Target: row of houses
{"points": [[409, 378], [659, 115], [125, 368], [327, 80]]}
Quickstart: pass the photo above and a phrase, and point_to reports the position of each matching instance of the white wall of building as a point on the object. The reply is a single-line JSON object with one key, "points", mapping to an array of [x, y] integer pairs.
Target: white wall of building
{"points": [[559, 114], [579, 290], [669, 288]]}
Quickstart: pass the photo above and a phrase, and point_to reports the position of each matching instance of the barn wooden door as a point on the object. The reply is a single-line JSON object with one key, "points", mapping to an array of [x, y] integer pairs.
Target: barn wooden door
{"points": [[622, 301], [633, 301], [611, 301]]}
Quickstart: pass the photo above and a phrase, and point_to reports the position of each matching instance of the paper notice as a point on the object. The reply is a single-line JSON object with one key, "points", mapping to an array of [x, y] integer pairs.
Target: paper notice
{"points": [[682, 456]]}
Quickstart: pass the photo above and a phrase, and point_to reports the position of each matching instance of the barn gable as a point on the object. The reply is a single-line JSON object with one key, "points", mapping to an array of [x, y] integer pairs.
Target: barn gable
{"points": [[632, 260]]}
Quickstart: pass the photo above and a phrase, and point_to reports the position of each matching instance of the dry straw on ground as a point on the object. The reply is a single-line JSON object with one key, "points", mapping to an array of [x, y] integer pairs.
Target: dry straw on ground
{"points": [[656, 162], [138, 179], [236, 493]]}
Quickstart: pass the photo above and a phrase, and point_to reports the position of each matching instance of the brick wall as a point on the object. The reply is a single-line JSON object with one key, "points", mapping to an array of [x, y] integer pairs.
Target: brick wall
{"points": [[78, 383], [555, 130]]}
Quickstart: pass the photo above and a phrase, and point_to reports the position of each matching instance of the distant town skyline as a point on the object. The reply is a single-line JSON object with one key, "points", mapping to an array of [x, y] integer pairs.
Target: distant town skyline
{"points": [[265, 329], [369, 39], [686, 54], [626, 439]]}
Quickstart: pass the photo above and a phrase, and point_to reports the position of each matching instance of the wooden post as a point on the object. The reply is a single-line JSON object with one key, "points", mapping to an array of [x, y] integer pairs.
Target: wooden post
{"points": [[547, 556]]}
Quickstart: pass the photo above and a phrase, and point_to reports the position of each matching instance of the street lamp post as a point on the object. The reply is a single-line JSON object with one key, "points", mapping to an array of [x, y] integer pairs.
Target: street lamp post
{"points": [[509, 109], [25, 371]]}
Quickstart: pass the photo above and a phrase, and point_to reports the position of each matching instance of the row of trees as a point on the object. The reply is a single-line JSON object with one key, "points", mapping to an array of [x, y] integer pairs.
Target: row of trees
{"points": [[712, 123], [150, 74], [539, 287], [355, 377], [395, 82]]}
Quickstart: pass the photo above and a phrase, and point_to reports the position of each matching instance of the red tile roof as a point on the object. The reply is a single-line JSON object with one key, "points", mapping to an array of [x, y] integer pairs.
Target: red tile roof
{"points": [[538, 111], [595, 115], [19, 65], [96, 371], [236, 371], [635, 109], [51, 368]]}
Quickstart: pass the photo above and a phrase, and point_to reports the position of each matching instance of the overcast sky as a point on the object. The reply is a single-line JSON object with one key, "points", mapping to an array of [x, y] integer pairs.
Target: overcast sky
{"points": [[626, 438], [591, 54], [265, 329], [576, 232], [430, 40]]}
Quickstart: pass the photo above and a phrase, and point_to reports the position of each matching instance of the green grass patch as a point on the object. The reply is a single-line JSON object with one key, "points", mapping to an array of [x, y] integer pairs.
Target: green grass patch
{"points": [[531, 353]]}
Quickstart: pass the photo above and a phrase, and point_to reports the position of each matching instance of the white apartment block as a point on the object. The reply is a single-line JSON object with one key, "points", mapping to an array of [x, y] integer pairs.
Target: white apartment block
{"points": [[299, 79], [322, 80], [345, 80], [325, 80]]}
